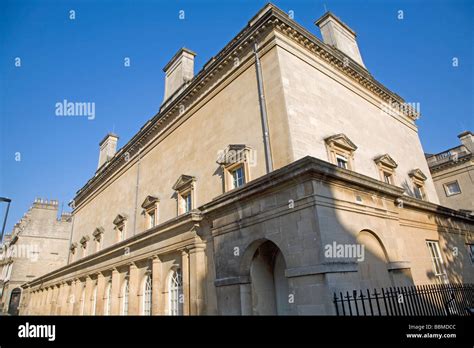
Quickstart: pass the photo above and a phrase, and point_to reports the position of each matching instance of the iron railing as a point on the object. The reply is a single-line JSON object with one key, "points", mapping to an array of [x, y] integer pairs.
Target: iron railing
{"points": [[432, 300]]}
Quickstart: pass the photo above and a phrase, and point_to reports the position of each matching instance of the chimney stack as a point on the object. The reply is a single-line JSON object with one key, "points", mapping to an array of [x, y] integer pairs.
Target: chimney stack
{"points": [[108, 147], [467, 139], [337, 34], [178, 71]]}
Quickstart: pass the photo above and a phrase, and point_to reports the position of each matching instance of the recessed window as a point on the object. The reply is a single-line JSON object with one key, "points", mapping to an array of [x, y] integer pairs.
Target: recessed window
{"points": [[235, 161], [418, 179], [94, 300], [120, 223], [175, 293], [147, 293], [387, 178], [121, 232], [83, 298], [341, 161], [83, 243], [186, 202], [238, 177], [418, 191], [108, 298], [452, 188], [152, 218], [150, 211], [185, 189], [436, 259], [125, 291], [341, 151], [97, 234], [470, 249], [386, 166]]}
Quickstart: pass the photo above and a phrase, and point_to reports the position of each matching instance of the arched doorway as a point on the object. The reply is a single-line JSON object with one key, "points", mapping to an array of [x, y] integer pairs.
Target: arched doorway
{"points": [[269, 285], [14, 301], [373, 267]]}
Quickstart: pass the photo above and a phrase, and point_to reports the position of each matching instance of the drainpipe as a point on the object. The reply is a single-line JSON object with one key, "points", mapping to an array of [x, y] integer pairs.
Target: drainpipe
{"points": [[72, 204], [263, 111], [136, 193]]}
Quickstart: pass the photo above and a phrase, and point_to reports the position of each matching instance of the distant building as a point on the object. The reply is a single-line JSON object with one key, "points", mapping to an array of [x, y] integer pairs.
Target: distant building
{"points": [[453, 174], [38, 244]]}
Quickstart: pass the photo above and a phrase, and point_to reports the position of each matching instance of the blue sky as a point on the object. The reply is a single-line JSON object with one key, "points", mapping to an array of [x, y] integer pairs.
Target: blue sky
{"points": [[83, 60]]}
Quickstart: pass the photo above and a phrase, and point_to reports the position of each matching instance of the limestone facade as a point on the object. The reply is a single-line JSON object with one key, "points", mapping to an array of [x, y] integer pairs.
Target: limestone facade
{"points": [[185, 218], [453, 174], [38, 244]]}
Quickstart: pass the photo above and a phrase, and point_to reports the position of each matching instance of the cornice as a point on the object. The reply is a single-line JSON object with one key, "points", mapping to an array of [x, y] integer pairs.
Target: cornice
{"points": [[451, 163], [269, 18], [190, 219]]}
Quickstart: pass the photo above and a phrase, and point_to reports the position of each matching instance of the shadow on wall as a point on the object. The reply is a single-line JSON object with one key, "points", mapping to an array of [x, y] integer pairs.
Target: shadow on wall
{"points": [[454, 250], [294, 262]]}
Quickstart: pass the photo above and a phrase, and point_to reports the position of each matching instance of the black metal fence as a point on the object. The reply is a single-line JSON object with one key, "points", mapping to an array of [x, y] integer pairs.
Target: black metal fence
{"points": [[433, 300]]}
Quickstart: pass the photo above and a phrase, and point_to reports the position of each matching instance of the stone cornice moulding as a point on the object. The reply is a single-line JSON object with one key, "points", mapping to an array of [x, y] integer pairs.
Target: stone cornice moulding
{"points": [[192, 219], [269, 18], [451, 163]]}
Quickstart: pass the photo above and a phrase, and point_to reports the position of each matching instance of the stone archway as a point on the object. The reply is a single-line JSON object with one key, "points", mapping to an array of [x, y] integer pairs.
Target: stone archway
{"points": [[372, 269], [268, 283], [14, 303]]}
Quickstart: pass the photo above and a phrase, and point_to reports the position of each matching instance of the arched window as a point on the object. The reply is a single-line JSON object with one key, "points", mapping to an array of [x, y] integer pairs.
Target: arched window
{"points": [[147, 296], [124, 310], [83, 298], [175, 293], [94, 300], [108, 298]]}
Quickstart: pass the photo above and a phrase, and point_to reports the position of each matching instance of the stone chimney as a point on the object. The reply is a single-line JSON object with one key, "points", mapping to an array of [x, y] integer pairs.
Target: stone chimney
{"points": [[467, 139], [337, 34], [108, 147], [178, 71]]}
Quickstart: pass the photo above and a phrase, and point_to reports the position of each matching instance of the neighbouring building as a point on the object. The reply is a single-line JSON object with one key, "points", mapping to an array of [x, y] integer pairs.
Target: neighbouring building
{"points": [[453, 174], [280, 173], [38, 244]]}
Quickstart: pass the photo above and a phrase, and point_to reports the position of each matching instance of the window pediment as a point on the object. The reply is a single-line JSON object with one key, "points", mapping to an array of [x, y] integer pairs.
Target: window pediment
{"points": [[183, 182], [417, 174], [149, 202], [340, 141], [84, 240], [120, 219], [98, 231], [233, 153], [387, 161]]}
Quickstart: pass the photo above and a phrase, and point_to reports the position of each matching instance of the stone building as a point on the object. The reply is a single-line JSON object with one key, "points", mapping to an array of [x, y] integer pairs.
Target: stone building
{"points": [[453, 174], [38, 244], [236, 197]]}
